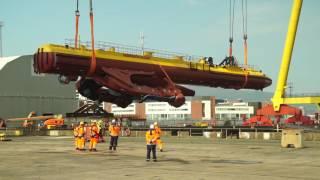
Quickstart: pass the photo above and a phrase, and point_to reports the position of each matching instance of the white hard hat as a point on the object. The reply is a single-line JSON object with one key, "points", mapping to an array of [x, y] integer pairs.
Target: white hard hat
{"points": [[151, 126], [113, 121], [155, 123]]}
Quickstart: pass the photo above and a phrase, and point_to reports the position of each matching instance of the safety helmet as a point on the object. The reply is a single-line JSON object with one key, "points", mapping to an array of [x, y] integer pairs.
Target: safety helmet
{"points": [[113, 121], [94, 122], [81, 123], [151, 126], [155, 123]]}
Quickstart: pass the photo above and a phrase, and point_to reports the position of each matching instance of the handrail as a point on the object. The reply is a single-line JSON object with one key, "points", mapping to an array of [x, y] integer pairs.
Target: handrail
{"points": [[134, 50]]}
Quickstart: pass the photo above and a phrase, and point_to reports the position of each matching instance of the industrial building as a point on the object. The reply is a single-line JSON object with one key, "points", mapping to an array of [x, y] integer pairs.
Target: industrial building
{"points": [[234, 113], [206, 108], [195, 108], [23, 91]]}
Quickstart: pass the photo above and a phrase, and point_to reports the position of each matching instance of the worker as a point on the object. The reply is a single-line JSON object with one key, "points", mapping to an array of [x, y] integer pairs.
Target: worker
{"points": [[101, 129], [114, 131], [94, 136], [210, 61], [157, 129], [2, 123], [87, 134], [151, 139], [81, 133], [75, 133]]}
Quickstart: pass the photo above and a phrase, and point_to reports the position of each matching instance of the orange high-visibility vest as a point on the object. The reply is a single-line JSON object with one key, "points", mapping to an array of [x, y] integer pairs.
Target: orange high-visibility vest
{"points": [[81, 131], [158, 130], [94, 131], [151, 137], [76, 131], [114, 130]]}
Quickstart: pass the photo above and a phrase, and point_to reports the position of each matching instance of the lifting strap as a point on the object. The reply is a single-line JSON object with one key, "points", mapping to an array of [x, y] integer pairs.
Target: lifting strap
{"points": [[245, 31], [245, 37], [167, 76], [93, 63], [245, 79], [231, 23], [77, 26]]}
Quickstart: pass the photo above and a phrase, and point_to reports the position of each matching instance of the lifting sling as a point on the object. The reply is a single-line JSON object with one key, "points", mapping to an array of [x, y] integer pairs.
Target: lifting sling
{"points": [[245, 31], [93, 62], [231, 23], [77, 26]]}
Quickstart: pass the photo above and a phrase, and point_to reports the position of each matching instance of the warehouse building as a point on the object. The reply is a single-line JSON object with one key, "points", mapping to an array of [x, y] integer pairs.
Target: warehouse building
{"points": [[233, 113], [23, 91], [207, 108], [195, 109]]}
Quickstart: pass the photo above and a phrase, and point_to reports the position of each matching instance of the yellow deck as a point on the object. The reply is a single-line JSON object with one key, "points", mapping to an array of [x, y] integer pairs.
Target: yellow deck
{"points": [[148, 58]]}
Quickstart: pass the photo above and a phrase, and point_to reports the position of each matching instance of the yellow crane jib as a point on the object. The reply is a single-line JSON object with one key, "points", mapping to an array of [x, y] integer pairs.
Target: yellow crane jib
{"points": [[279, 95]]}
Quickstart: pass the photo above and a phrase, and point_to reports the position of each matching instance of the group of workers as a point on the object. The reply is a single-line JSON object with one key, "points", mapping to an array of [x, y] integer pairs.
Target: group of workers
{"points": [[80, 136], [152, 137], [95, 134]]}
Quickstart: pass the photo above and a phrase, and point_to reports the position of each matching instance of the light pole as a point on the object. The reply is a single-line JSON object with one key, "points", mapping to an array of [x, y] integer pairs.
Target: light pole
{"points": [[142, 41]]}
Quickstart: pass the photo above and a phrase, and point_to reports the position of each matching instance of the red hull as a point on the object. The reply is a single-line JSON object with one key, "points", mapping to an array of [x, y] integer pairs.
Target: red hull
{"points": [[72, 66]]}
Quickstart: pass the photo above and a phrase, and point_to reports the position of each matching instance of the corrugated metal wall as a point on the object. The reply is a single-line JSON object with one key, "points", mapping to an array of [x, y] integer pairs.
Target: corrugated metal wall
{"points": [[21, 106], [22, 91]]}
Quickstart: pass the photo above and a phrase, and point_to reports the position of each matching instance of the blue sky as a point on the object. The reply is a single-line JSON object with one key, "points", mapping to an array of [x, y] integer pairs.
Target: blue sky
{"points": [[198, 27]]}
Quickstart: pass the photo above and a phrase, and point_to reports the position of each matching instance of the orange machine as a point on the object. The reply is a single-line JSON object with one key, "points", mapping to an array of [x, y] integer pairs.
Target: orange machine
{"points": [[53, 123], [264, 116], [50, 120]]}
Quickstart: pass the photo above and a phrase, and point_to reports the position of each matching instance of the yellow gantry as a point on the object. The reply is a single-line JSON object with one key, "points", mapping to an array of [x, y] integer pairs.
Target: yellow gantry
{"points": [[279, 94]]}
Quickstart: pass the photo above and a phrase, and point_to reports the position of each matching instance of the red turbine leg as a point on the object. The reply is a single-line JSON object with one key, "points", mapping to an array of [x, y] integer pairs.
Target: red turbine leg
{"points": [[138, 84], [122, 80]]}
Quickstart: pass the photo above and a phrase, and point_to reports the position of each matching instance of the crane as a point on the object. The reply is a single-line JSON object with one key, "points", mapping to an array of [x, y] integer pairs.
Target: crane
{"points": [[279, 97], [280, 103]]}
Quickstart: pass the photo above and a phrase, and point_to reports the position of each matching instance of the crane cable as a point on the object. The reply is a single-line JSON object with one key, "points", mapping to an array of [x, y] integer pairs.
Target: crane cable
{"points": [[245, 30], [231, 23], [93, 63], [77, 25], [245, 37]]}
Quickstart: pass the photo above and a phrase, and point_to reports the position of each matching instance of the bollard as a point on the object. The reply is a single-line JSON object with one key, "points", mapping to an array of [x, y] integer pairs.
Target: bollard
{"points": [[226, 134], [292, 138], [256, 133]]}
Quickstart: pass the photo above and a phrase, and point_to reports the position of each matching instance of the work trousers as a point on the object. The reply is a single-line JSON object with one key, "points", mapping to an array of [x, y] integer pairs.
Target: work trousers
{"points": [[160, 144], [81, 143], [93, 143], [113, 142], [151, 147]]}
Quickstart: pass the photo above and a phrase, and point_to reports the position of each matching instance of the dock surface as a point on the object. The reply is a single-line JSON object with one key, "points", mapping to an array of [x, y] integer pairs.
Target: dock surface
{"points": [[43, 157]]}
